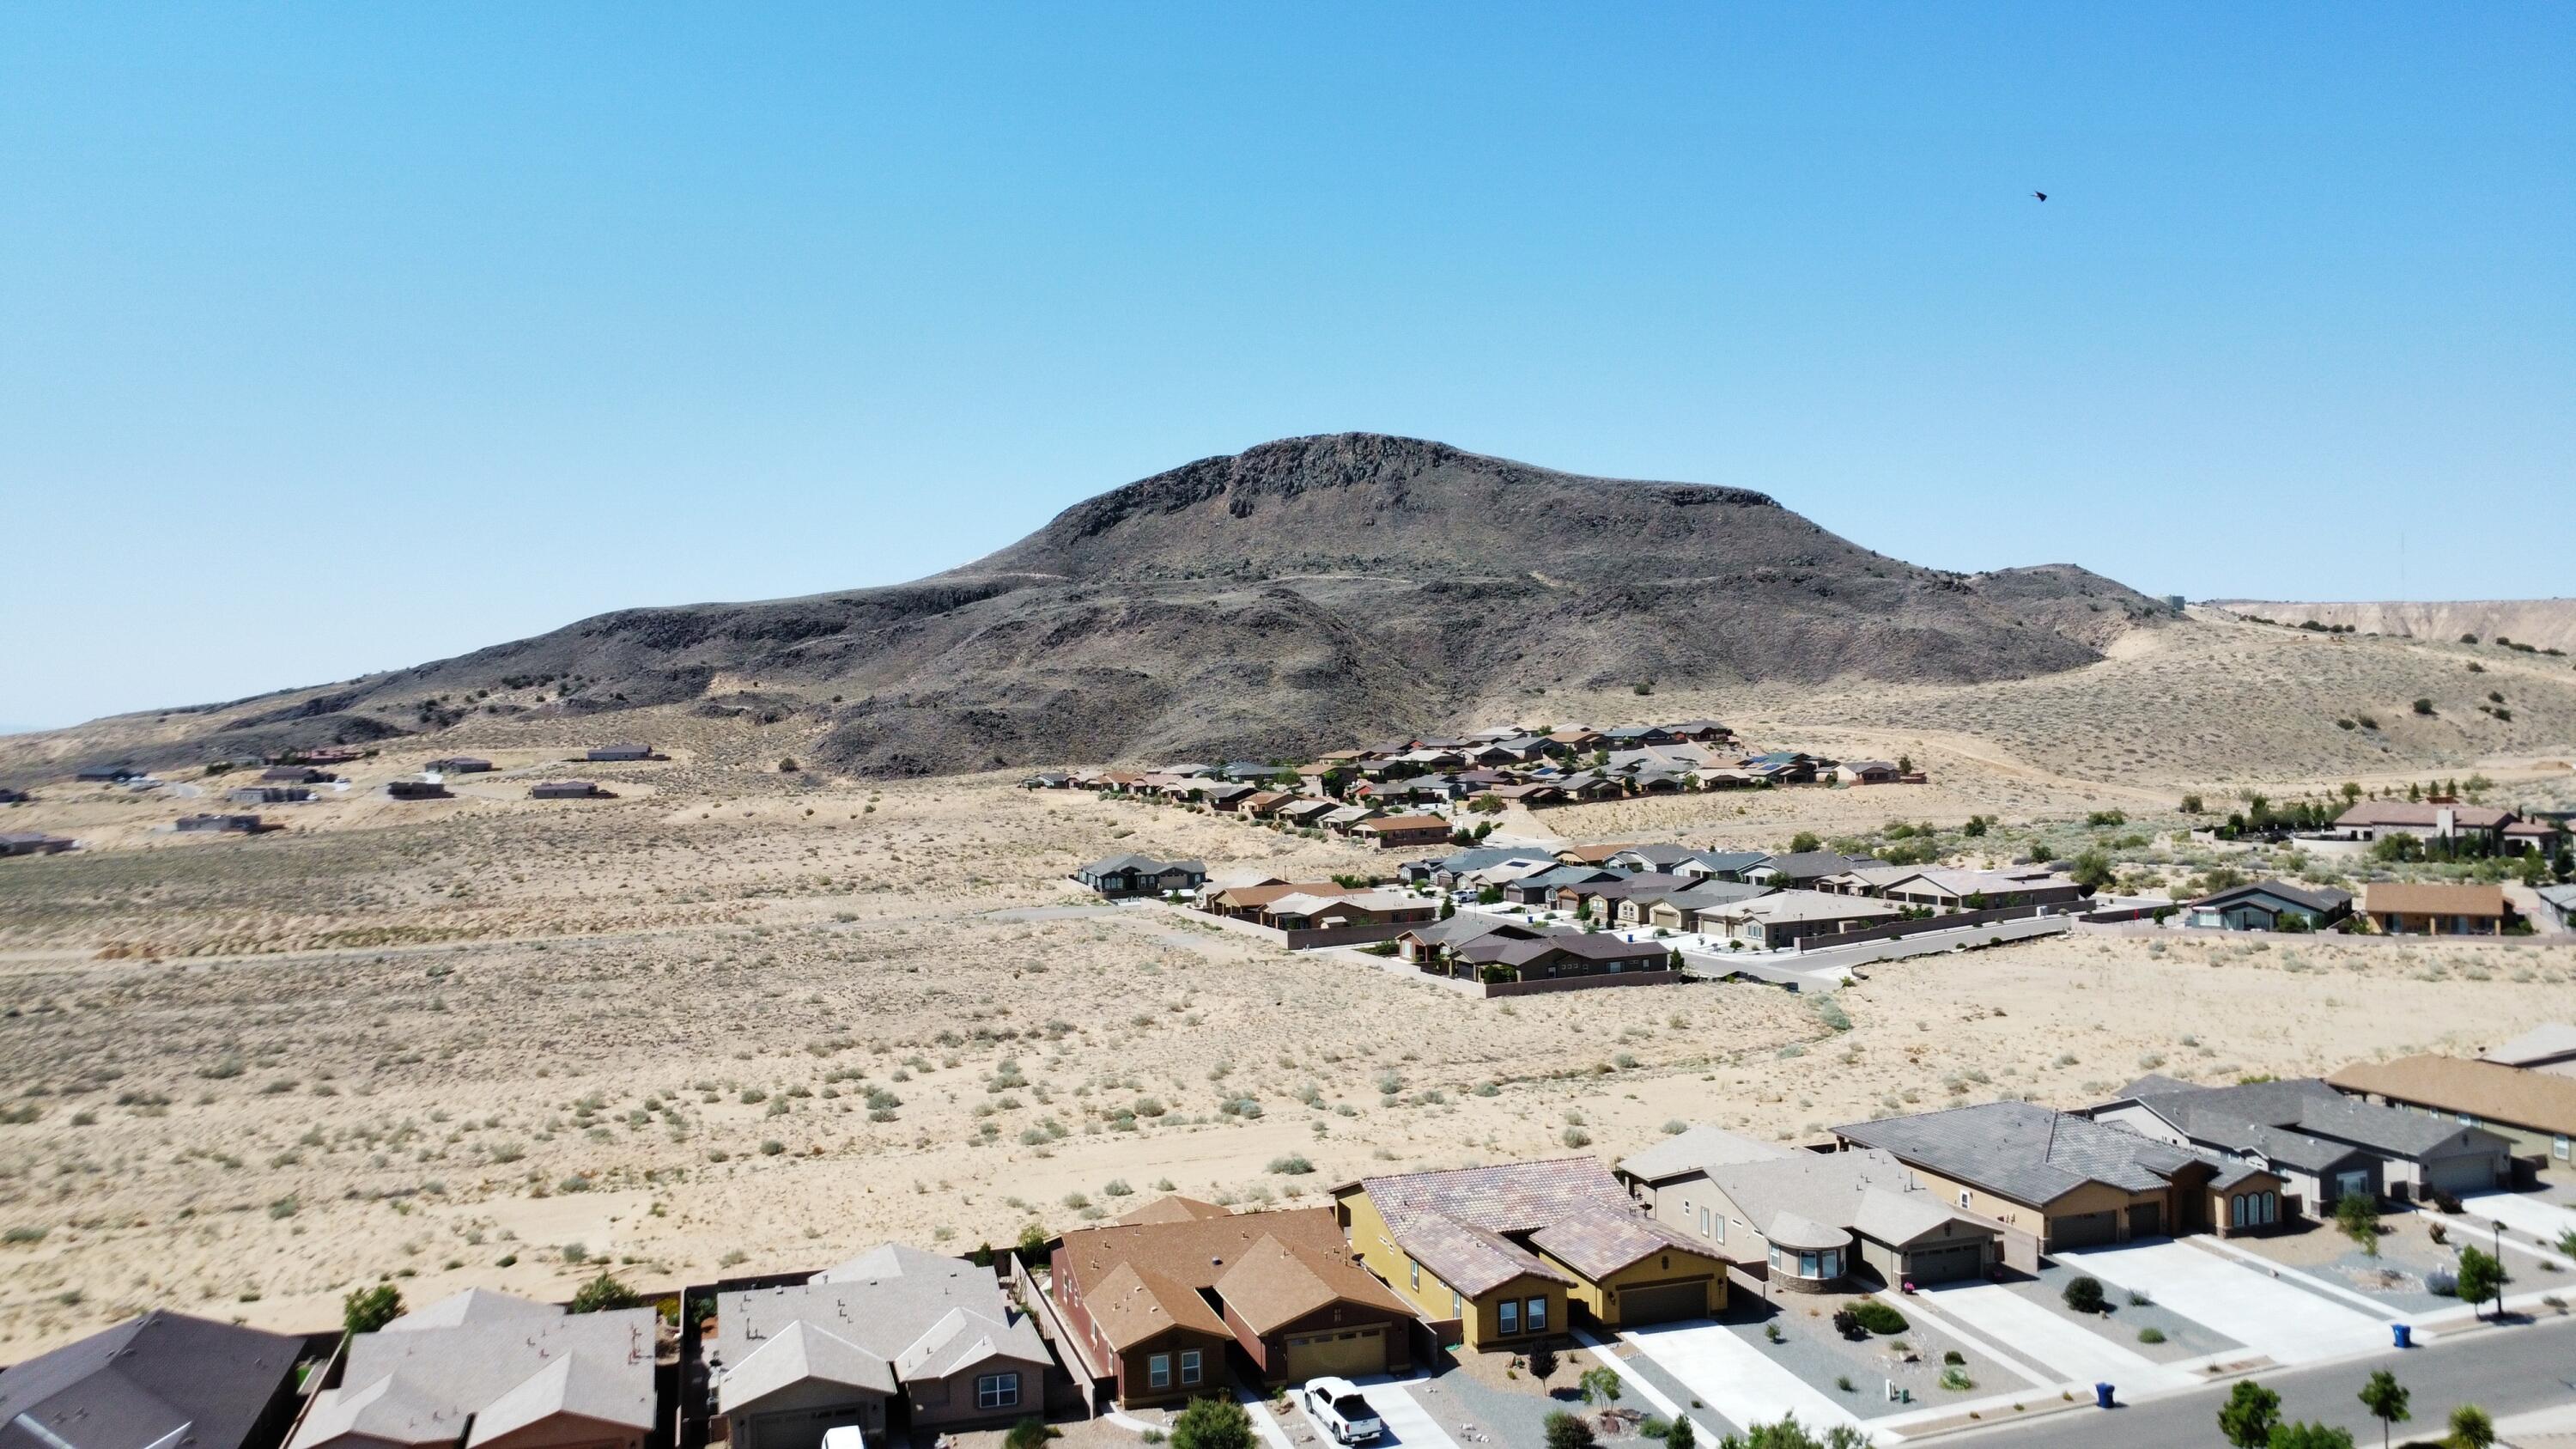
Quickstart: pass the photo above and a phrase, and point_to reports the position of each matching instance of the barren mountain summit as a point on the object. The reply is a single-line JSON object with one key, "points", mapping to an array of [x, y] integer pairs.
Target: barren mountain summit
{"points": [[1287, 598]]}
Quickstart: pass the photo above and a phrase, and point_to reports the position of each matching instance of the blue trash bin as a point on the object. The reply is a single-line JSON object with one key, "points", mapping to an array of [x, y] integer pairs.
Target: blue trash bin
{"points": [[2404, 1333], [2101, 1396]]}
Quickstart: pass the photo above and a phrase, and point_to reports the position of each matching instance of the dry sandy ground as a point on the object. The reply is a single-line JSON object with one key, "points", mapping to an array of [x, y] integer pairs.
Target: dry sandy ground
{"points": [[467, 1042]]}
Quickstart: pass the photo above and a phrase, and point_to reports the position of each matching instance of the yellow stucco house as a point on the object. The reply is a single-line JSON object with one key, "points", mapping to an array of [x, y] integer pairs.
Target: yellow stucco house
{"points": [[1508, 1257]]}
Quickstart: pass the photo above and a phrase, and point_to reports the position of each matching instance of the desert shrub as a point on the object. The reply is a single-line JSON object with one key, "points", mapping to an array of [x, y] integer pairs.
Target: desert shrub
{"points": [[1878, 1317], [364, 1310], [1213, 1424], [603, 1294], [1568, 1431], [1292, 1165], [2084, 1295], [2151, 1335]]}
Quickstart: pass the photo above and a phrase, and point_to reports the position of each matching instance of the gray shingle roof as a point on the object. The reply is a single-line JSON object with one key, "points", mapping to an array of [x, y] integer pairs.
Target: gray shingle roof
{"points": [[2023, 1151], [2302, 1122], [892, 1313], [144, 1381], [1697, 1149]]}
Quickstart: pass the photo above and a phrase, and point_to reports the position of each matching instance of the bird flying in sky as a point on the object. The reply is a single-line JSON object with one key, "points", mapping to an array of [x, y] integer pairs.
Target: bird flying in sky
{"points": [[2042, 195]]}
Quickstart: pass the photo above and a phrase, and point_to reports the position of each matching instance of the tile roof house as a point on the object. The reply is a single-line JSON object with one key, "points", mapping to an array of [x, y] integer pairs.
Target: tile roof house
{"points": [[1805, 867], [2325, 1145], [2057, 1180], [1785, 917], [1140, 875], [2401, 909], [491, 1370], [1399, 832], [2535, 1111], [2550, 1047], [1499, 1257], [921, 1339], [2269, 905], [2425, 820], [1154, 1304], [1545, 953], [1809, 1222], [163, 1379]]}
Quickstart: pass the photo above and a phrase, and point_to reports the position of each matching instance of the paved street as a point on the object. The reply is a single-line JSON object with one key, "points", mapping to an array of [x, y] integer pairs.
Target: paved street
{"points": [[2509, 1370]]}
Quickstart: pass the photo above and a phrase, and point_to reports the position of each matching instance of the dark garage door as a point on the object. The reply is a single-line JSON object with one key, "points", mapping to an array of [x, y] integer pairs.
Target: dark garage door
{"points": [[1945, 1265], [2083, 1230], [1663, 1303]]}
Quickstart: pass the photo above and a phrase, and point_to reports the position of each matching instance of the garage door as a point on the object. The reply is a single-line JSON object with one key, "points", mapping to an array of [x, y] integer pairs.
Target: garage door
{"points": [[1351, 1353], [2472, 1173], [1946, 1265], [2083, 1230], [1663, 1303]]}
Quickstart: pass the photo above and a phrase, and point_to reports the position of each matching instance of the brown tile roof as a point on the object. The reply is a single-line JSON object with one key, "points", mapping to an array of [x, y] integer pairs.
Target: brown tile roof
{"points": [[2537, 1101], [1172, 1209], [1142, 1277], [1595, 854], [1456, 1223], [1250, 897], [2432, 900], [2409, 812], [1401, 822], [1274, 1285]]}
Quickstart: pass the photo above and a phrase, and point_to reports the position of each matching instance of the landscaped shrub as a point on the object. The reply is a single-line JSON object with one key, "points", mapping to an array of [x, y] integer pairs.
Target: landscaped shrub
{"points": [[2084, 1295], [1878, 1317]]}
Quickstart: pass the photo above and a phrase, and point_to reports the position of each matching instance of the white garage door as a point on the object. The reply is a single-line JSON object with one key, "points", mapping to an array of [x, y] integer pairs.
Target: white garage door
{"points": [[2456, 1175]]}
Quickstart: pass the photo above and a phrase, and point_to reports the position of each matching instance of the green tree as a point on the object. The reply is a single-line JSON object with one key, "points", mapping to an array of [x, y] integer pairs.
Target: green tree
{"points": [[1542, 1363], [1029, 1433], [1599, 1385], [365, 1310], [2246, 1419], [1681, 1435], [602, 1294], [2482, 1278], [2092, 870], [1212, 1424], [1033, 1242], [1804, 841], [2308, 1436], [2386, 1399], [2084, 1294], [2357, 1218], [2471, 1428], [1568, 1431]]}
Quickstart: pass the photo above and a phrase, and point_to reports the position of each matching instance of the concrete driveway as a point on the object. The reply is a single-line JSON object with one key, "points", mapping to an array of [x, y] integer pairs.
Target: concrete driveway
{"points": [[1403, 1417], [2020, 1326], [2539, 1217], [1735, 1379], [2291, 1325]]}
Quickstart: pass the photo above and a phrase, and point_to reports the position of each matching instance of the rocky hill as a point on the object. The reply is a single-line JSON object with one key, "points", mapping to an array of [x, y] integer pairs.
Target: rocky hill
{"points": [[1287, 598], [2541, 623]]}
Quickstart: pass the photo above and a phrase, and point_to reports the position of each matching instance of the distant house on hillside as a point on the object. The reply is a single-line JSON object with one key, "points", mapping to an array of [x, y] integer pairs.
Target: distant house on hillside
{"points": [[459, 765], [1400, 832], [2400, 909], [219, 824], [415, 790], [268, 794], [2425, 820], [621, 752], [34, 842], [1140, 875], [1866, 772], [296, 775], [569, 790], [14, 797], [107, 774]]}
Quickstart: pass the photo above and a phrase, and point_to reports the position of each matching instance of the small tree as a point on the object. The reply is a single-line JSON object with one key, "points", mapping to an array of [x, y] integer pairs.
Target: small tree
{"points": [[1568, 1431], [2482, 1277], [1599, 1386], [2357, 1218], [1804, 841], [2308, 1436], [1542, 1363], [2084, 1295], [1681, 1435], [2386, 1400], [365, 1310], [2248, 1416], [2471, 1428], [1212, 1424], [1033, 1242], [1029, 1433], [603, 1294]]}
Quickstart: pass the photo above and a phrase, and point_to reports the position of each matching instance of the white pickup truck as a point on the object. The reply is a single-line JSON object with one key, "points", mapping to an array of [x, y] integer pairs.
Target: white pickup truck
{"points": [[1337, 1405]]}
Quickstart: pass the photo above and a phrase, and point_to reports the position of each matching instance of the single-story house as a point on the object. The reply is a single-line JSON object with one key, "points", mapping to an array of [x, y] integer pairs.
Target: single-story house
{"points": [[1445, 870], [34, 842], [2425, 820], [1401, 832], [296, 775], [1140, 875], [894, 1339], [1540, 889], [1227, 799], [1682, 911], [106, 774], [2534, 1111], [1809, 1222], [1702, 731], [1338, 909], [1263, 804], [1502, 1257], [485, 1369], [161, 1379], [1305, 813], [2325, 1145], [415, 790], [1245, 900], [1804, 868], [1786, 767], [268, 795], [1550, 953], [1867, 772], [1721, 865], [621, 752], [218, 824], [2550, 1047], [1156, 1304], [2401, 909], [1786, 917], [460, 765], [2056, 1180], [1047, 780], [1347, 819], [2561, 900], [569, 790], [2269, 905]]}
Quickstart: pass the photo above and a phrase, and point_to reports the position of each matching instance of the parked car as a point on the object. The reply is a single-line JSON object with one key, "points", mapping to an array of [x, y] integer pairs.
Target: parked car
{"points": [[1337, 1405]]}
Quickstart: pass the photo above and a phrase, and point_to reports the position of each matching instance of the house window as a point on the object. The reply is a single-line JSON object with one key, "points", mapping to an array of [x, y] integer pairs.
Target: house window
{"points": [[1963, 1197], [1189, 1365], [1806, 1265], [1158, 1371], [1721, 1227], [1413, 1272], [1775, 1255], [1833, 1262], [1457, 1305], [1507, 1317], [1535, 1313], [997, 1391], [2558, 1148]]}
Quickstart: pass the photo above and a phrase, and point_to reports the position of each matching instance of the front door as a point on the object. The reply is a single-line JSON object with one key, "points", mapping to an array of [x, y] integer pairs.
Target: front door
{"points": [[2146, 1220]]}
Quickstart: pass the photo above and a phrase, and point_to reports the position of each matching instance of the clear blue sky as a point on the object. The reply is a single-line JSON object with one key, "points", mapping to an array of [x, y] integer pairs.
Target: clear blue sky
{"points": [[341, 337]]}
